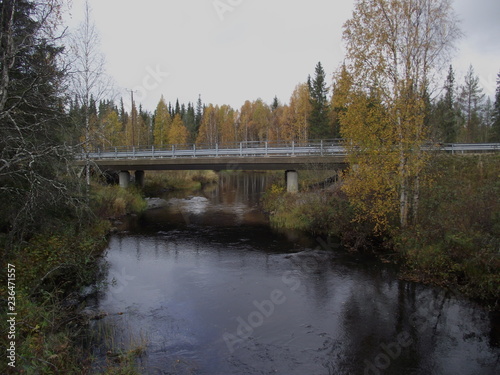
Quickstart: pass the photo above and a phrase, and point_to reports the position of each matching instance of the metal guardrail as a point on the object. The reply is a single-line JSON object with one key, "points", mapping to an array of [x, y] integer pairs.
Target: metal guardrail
{"points": [[241, 149], [470, 147], [261, 149]]}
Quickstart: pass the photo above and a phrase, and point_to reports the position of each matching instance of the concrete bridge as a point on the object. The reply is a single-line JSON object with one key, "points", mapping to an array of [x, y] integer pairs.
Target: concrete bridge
{"points": [[286, 156]]}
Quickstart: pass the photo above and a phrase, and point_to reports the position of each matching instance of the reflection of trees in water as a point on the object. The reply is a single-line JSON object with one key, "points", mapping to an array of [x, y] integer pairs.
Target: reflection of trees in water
{"points": [[438, 328], [241, 187]]}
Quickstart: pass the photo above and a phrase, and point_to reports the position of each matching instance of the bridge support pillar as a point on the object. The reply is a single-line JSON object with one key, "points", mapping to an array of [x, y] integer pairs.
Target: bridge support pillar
{"points": [[292, 181], [139, 178], [124, 179]]}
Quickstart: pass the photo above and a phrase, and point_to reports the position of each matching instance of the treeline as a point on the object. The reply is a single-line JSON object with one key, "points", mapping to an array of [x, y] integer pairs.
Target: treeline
{"points": [[464, 113], [460, 114]]}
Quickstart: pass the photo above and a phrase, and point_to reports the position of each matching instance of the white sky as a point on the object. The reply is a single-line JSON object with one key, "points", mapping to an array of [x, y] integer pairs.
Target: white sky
{"points": [[257, 49]]}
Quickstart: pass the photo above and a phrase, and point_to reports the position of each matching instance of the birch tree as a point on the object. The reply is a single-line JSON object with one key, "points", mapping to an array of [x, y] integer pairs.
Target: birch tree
{"points": [[88, 78], [395, 49]]}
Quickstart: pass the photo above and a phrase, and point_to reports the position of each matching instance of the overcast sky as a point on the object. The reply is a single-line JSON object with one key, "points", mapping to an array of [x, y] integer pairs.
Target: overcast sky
{"points": [[249, 49]]}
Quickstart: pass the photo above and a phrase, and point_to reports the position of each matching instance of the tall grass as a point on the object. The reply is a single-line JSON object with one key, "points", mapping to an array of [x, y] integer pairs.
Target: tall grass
{"points": [[114, 201], [159, 182]]}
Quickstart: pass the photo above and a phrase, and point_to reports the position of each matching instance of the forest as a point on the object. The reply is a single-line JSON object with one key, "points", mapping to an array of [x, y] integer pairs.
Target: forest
{"points": [[460, 112], [55, 102]]}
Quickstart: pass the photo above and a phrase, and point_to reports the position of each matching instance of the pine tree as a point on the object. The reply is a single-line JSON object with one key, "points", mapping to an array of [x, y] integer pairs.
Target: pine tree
{"points": [[319, 118]]}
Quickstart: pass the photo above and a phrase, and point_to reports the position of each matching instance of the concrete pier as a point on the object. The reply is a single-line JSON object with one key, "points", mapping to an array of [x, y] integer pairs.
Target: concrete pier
{"points": [[124, 179], [292, 181]]}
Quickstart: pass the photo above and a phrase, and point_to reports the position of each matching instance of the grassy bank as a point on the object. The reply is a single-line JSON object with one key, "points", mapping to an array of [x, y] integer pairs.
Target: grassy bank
{"points": [[53, 270], [455, 243], [160, 182]]}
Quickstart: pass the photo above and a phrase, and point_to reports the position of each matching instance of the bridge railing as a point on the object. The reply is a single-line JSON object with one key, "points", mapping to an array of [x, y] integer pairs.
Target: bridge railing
{"points": [[243, 149], [261, 149]]}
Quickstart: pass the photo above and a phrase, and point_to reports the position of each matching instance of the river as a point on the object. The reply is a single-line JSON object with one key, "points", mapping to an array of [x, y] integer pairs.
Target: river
{"points": [[205, 286]]}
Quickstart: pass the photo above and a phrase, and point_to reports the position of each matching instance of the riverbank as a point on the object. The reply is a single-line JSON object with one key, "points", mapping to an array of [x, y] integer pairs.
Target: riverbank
{"points": [[158, 183], [54, 274], [59, 269], [455, 243]]}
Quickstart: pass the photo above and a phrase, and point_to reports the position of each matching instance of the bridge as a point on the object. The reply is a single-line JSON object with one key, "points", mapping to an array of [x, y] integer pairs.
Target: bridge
{"points": [[287, 156]]}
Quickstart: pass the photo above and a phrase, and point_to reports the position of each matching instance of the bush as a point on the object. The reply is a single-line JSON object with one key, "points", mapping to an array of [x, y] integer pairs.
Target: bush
{"points": [[322, 211], [457, 238], [114, 201]]}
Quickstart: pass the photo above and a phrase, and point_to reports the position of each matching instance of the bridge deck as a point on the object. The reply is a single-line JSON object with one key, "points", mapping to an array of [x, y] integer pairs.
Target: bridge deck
{"points": [[244, 156], [222, 163]]}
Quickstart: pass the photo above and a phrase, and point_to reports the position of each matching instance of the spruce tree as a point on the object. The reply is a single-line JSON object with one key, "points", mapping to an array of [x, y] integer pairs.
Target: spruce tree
{"points": [[319, 121], [33, 126], [449, 127], [444, 121], [471, 101], [199, 114], [495, 129], [177, 108], [275, 104]]}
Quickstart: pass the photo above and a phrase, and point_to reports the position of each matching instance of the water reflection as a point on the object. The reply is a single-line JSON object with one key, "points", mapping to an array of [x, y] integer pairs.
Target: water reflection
{"points": [[232, 202], [221, 293]]}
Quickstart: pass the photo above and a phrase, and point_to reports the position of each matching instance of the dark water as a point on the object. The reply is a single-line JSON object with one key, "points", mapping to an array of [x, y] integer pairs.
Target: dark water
{"points": [[204, 286]]}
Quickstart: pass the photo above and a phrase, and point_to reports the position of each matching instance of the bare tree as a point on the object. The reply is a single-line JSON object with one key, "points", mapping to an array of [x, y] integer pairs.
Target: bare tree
{"points": [[89, 80]]}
